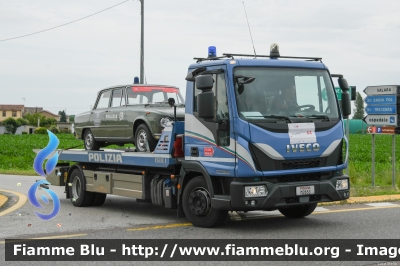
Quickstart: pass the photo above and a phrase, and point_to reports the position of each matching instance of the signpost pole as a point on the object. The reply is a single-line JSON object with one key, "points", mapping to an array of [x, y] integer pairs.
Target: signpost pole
{"points": [[393, 160], [373, 160]]}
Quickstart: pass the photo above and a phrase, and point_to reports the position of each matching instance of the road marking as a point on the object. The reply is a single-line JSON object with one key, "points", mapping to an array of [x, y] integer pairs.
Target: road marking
{"points": [[22, 199], [359, 209], [319, 211], [381, 204], [49, 237], [159, 227]]}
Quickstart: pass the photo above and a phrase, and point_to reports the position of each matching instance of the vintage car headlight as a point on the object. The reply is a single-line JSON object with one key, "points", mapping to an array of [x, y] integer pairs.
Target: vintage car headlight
{"points": [[164, 121]]}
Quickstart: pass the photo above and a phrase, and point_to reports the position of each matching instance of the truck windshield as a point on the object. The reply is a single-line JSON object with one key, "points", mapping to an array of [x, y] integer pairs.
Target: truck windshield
{"points": [[282, 93]]}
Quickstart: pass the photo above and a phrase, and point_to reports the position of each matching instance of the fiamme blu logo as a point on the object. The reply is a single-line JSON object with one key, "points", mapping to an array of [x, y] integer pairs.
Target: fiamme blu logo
{"points": [[38, 167]]}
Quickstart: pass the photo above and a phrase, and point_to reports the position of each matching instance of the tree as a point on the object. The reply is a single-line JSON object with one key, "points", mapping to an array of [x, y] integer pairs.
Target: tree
{"points": [[44, 122], [63, 117], [11, 125], [359, 110], [72, 118]]}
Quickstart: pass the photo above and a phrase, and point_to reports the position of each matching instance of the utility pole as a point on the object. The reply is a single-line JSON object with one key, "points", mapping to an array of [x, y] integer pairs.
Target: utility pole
{"points": [[142, 44]]}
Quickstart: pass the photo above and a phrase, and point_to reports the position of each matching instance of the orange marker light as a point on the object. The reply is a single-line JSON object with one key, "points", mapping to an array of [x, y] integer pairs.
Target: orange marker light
{"points": [[178, 186], [172, 176]]}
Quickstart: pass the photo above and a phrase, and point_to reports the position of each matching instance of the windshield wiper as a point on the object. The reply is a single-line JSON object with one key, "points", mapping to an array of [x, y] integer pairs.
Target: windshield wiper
{"points": [[284, 117], [319, 116]]}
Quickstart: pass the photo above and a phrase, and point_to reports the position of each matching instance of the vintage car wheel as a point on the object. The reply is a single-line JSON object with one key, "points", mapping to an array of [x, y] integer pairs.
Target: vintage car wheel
{"points": [[90, 143], [142, 134]]}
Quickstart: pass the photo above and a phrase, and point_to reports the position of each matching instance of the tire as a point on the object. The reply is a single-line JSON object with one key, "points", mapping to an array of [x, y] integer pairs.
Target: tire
{"points": [[196, 203], [89, 142], [79, 196], [299, 211], [98, 199], [142, 133]]}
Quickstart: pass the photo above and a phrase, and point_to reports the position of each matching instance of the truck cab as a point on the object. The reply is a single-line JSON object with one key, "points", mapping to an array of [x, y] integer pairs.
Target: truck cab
{"points": [[268, 130]]}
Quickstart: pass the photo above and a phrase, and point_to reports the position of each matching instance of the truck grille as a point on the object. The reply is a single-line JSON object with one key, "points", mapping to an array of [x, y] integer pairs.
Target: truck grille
{"points": [[299, 178], [300, 164]]}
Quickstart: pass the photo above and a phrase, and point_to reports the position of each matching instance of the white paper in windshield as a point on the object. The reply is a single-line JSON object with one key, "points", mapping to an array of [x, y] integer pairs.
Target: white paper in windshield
{"points": [[252, 114], [302, 133]]}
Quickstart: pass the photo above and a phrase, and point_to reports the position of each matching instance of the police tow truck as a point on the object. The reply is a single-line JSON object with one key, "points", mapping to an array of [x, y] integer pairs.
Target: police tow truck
{"points": [[261, 132]]}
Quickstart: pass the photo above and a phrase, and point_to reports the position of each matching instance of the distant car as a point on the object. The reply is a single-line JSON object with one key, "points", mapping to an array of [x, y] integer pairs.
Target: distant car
{"points": [[129, 114]]}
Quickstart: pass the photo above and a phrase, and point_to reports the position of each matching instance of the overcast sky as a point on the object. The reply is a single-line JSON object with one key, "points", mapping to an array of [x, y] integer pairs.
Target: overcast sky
{"points": [[64, 68]]}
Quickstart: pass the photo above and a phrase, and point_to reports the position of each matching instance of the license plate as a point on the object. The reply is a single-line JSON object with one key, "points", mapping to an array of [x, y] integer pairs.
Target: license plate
{"points": [[305, 190]]}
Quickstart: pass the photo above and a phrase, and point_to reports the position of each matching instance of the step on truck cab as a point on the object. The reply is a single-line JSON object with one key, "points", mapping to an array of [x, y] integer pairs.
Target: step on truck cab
{"points": [[260, 133]]}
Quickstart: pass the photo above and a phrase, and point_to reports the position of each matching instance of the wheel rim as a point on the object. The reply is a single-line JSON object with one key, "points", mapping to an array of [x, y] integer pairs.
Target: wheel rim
{"points": [[76, 187], [141, 140], [89, 140], [199, 202]]}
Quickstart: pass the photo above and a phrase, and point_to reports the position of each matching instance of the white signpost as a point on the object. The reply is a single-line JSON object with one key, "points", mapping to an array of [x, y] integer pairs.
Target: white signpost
{"points": [[381, 90], [382, 111], [381, 120]]}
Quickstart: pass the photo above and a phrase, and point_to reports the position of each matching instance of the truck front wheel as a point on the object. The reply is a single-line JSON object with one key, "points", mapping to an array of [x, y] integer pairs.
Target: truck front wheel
{"points": [[196, 203], [298, 211], [79, 196]]}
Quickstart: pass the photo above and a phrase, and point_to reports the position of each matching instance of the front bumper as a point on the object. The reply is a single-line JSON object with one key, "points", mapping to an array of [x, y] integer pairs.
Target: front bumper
{"points": [[279, 195]]}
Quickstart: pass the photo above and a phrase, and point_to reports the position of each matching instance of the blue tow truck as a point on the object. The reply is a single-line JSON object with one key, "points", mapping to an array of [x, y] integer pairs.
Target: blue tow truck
{"points": [[261, 132]]}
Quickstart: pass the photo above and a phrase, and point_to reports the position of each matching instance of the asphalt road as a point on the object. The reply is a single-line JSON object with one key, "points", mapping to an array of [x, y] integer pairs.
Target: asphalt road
{"points": [[124, 218]]}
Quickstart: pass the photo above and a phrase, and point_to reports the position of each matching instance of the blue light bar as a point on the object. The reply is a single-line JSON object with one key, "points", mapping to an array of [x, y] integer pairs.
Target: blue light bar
{"points": [[212, 51]]}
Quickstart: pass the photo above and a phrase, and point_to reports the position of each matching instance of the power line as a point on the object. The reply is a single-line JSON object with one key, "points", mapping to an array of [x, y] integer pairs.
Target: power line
{"points": [[63, 24]]}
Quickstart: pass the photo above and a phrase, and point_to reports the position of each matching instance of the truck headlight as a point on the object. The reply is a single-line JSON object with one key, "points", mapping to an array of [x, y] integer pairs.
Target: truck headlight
{"points": [[255, 191], [342, 184], [164, 121]]}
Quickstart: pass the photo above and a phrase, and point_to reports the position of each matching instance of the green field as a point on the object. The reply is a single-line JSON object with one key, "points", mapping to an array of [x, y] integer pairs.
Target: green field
{"points": [[16, 157]]}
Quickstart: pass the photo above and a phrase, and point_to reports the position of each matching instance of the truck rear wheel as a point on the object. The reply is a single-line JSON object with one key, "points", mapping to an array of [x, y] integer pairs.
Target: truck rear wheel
{"points": [[298, 211], [79, 196], [196, 203]]}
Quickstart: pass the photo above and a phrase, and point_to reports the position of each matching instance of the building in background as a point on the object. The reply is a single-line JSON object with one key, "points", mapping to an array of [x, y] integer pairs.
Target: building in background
{"points": [[11, 110]]}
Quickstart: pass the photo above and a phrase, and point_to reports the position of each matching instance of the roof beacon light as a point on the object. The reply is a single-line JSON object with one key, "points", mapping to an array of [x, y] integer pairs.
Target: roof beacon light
{"points": [[212, 51], [274, 50]]}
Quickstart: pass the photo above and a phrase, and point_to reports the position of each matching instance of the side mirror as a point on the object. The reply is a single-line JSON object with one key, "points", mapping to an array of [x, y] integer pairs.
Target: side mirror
{"points": [[171, 101], [346, 104], [205, 99], [204, 82]]}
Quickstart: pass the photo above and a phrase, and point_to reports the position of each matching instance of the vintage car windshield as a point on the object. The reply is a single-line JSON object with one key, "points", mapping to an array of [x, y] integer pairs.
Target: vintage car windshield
{"points": [[284, 93], [153, 95]]}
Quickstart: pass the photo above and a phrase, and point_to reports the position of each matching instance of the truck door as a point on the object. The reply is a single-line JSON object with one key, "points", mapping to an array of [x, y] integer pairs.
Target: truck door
{"points": [[210, 141]]}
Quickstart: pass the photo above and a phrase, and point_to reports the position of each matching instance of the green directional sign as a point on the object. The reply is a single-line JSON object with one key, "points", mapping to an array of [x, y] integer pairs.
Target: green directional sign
{"points": [[339, 92]]}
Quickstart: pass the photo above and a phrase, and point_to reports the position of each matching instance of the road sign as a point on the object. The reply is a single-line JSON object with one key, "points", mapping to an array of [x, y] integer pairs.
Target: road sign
{"points": [[381, 120], [381, 130], [380, 109], [380, 99], [381, 90]]}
